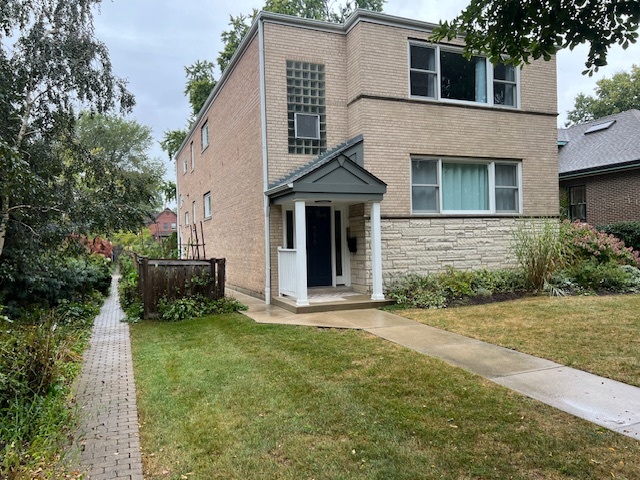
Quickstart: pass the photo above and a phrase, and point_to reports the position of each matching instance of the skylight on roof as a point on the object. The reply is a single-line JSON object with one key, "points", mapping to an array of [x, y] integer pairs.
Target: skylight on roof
{"points": [[600, 126]]}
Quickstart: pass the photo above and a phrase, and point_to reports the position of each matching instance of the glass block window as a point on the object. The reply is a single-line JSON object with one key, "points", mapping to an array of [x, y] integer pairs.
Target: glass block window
{"points": [[306, 95]]}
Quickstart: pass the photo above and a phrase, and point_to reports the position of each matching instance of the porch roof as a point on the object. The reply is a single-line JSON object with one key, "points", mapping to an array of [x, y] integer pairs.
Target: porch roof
{"points": [[335, 175]]}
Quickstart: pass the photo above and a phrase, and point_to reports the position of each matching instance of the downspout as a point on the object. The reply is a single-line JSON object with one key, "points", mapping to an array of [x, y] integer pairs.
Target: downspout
{"points": [[265, 166], [178, 231]]}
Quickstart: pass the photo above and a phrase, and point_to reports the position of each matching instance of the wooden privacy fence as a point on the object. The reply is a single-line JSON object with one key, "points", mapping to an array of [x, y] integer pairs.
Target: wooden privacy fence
{"points": [[172, 279]]}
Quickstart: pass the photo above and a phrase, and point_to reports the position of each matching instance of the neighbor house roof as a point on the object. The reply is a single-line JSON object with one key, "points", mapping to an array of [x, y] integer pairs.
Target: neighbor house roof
{"points": [[607, 144]]}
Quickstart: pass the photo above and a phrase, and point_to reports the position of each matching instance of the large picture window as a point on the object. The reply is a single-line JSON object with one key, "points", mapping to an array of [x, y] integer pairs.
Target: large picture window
{"points": [[442, 185], [442, 73]]}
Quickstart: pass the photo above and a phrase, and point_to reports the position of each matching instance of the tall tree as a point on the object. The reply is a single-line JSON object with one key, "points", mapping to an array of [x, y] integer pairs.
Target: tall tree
{"points": [[116, 184], [617, 94], [532, 29], [50, 60], [200, 82]]}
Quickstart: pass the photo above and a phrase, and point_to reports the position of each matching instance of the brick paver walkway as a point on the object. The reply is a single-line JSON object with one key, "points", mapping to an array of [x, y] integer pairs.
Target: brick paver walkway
{"points": [[106, 393]]}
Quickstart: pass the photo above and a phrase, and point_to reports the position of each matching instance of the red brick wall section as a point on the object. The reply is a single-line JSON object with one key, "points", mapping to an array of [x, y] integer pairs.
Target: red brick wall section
{"points": [[612, 197]]}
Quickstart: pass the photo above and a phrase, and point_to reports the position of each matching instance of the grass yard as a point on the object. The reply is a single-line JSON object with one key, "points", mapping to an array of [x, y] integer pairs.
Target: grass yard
{"points": [[224, 398], [600, 335]]}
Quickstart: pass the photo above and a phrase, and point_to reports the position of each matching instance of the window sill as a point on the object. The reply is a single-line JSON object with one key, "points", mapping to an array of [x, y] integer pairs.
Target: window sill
{"points": [[465, 103]]}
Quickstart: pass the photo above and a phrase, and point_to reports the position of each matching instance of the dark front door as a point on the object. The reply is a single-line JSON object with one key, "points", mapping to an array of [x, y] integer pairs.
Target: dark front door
{"points": [[318, 246]]}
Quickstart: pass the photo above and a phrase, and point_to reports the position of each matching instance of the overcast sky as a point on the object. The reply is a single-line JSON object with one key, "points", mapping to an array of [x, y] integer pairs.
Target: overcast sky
{"points": [[150, 42]]}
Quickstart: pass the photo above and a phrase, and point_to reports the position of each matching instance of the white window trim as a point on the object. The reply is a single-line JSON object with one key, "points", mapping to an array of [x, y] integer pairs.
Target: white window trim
{"points": [[204, 135], [206, 200], [491, 163], [193, 158], [438, 98], [193, 207], [186, 219], [184, 165]]}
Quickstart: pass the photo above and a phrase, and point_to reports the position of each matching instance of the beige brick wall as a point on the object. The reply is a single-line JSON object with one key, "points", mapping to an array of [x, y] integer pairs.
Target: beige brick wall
{"points": [[231, 169], [289, 43]]}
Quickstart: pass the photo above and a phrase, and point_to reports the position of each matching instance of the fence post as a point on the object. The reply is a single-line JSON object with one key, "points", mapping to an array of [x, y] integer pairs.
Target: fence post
{"points": [[221, 262], [144, 283]]}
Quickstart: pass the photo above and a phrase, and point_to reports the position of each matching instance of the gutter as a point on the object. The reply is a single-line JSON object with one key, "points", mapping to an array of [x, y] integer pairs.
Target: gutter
{"points": [[598, 171]]}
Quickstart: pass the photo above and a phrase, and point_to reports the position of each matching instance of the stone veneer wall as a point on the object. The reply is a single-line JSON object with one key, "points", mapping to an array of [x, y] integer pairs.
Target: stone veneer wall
{"points": [[431, 245]]}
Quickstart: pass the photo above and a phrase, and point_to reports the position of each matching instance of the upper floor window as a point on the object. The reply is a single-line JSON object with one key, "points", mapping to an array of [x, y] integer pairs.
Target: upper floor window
{"points": [[464, 186], [186, 218], [193, 209], [306, 109], [207, 205], [443, 74], [193, 158], [184, 166], [204, 135]]}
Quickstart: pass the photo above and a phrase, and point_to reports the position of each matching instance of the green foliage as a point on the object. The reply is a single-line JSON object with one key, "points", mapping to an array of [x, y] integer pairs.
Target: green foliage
{"points": [[539, 251], [613, 95], [196, 306], [50, 63], [55, 277], [628, 232], [232, 38], [530, 30], [592, 275], [115, 159], [443, 289], [171, 141], [128, 291], [583, 242], [145, 245], [39, 358], [200, 82]]}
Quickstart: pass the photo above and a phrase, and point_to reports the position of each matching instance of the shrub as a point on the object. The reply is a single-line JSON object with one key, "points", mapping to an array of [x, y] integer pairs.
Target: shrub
{"points": [[583, 242], [51, 278], [628, 232], [539, 251], [439, 290], [592, 275], [196, 306], [38, 361]]}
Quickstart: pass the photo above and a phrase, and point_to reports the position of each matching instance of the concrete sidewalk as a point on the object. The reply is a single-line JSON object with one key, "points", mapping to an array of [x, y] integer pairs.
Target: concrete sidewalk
{"points": [[605, 402], [107, 441]]}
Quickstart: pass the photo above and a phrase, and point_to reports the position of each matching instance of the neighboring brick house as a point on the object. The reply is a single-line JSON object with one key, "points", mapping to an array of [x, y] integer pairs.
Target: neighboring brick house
{"points": [[349, 154], [599, 165], [163, 224]]}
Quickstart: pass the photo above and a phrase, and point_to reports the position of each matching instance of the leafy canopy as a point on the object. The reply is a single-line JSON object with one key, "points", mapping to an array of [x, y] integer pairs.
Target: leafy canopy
{"points": [[613, 95], [50, 63], [532, 29]]}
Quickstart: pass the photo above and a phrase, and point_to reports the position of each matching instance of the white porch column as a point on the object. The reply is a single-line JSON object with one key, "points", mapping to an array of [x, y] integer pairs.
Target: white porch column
{"points": [[376, 252], [301, 253]]}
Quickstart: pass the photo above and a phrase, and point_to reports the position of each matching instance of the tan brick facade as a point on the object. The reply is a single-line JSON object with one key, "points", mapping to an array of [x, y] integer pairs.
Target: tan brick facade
{"points": [[367, 92], [230, 168]]}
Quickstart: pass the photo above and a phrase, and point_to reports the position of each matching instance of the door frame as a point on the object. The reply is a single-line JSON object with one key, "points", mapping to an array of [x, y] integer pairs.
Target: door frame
{"points": [[289, 240]]}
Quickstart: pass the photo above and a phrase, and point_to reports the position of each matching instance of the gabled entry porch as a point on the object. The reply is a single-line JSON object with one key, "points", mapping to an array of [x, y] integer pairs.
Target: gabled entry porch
{"points": [[318, 246]]}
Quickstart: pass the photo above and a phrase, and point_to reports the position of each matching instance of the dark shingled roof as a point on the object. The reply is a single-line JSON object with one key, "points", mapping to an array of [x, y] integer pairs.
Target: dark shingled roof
{"points": [[602, 149], [316, 162]]}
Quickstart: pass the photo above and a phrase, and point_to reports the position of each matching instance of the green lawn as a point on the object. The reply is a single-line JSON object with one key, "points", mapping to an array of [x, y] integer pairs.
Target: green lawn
{"points": [[223, 397], [600, 335]]}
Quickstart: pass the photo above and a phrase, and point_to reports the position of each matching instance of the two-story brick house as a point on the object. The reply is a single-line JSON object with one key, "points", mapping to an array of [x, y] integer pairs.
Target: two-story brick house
{"points": [[349, 154]]}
